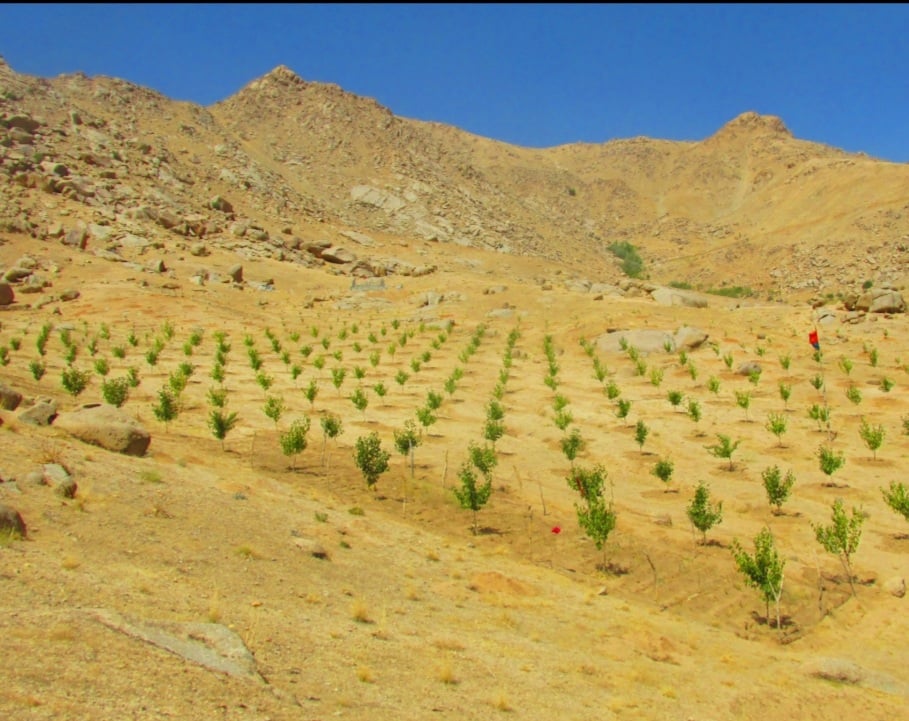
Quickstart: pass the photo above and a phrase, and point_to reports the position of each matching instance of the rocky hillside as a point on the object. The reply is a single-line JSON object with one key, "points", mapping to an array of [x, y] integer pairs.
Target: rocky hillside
{"points": [[289, 168]]}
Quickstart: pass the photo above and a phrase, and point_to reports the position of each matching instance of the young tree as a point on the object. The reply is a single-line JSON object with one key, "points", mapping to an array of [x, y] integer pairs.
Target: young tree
{"points": [[115, 391], [663, 470], [724, 449], [777, 487], [274, 408], [332, 427], [897, 497], [471, 496], [703, 514], [743, 401], [694, 411], [842, 536], [406, 442], [74, 381], [311, 391], [763, 570], [830, 462], [674, 398], [483, 458], [293, 440], [785, 393], [623, 407], [221, 423], [872, 435], [598, 519], [776, 424], [371, 458], [166, 409], [713, 385], [359, 399], [641, 431], [337, 378], [572, 444]]}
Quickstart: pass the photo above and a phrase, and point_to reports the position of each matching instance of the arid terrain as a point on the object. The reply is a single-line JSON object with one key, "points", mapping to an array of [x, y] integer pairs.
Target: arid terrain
{"points": [[299, 250]]}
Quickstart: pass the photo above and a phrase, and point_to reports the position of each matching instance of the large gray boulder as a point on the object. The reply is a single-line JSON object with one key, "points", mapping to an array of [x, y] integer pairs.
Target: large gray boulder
{"points": [[106, 426], [678, 297]]}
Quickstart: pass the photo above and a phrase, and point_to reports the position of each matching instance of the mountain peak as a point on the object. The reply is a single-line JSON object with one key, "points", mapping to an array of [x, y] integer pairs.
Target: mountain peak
{"points": [[753, 123]]}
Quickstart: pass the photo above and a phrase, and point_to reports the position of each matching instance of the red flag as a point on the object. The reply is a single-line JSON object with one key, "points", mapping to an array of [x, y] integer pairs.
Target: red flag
{"points": [[812, 338]]}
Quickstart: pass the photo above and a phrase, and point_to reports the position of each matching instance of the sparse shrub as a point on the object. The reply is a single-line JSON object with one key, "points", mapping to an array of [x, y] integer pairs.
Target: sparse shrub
{"points": [[872, 435], [221, 423], [74, 381], [724, 448], [663, 469]]}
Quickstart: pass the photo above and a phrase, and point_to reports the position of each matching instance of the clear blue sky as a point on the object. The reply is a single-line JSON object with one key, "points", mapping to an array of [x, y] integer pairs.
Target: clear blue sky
{"points": [[536, 75]]}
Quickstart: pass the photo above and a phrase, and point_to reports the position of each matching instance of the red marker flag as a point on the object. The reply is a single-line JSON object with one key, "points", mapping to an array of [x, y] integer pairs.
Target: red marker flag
{"points": [[812, 338]]}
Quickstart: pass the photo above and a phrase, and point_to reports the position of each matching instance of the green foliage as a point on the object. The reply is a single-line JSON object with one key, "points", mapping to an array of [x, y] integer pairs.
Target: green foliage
{"points": [[777, 487], [842, 536], [663, 469], [371, 458], [38, 369], [74, 381], [217, 397], [785, 362], [221, 423], [166, 409], [563, 419], [897, 498], [785, 393], [727, 359], [623, 407], [401, 377], [873, 357], [632, 264], [293, 440], [713, 384], [641, 431], [694, 410], [612, 390], [471, 495], [830, 461], [483, 458], [380, 389], [886, 384], [311, 391], [132, 377], [656, 377], [763, 570], [274, 408], [675, 398], [703, 514], [359, 399], [426, 416], [115, 391], [407, 440], [735, 291], [845, 365], [854, 394], [743, 401], [264, 381], [776, 424], [872, 435], [572, 444], [817, 382], [819, 413], [724, 448], [332, 427], [493, 430]]}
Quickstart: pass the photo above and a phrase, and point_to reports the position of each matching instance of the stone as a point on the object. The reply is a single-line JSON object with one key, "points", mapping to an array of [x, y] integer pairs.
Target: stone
{"points": [[107, 426], [11, 521]]}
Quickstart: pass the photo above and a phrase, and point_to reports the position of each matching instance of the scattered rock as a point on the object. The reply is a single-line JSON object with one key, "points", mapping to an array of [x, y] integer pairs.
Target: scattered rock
{"points": [[11, 521], [9, 398], [106, 426]]}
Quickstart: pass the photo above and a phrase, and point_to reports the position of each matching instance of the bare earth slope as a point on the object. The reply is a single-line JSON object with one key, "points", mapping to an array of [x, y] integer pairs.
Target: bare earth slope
{"points": [[212, 579]]}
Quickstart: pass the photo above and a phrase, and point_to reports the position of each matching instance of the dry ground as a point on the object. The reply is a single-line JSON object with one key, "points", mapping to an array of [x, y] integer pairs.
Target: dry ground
{"points": [[411, 615]]}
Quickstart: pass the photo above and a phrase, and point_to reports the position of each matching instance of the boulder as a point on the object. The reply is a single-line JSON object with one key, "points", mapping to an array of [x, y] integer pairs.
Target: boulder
{"points": [[11, 521], [7, 296], [677, 297], [9, 398], [41, 413], [106, 426]]}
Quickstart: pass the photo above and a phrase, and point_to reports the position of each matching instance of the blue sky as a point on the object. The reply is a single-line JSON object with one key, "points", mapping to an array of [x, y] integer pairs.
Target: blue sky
{"points": [[536, 75]]}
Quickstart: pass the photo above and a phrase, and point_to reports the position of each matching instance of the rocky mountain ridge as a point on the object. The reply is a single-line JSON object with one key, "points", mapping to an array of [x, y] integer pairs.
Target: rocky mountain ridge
{"points": [[285, 165]]}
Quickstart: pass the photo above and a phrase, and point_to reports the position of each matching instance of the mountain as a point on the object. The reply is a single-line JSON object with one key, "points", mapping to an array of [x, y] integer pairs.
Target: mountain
{"points": [[750, 206], [187, 294]]}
